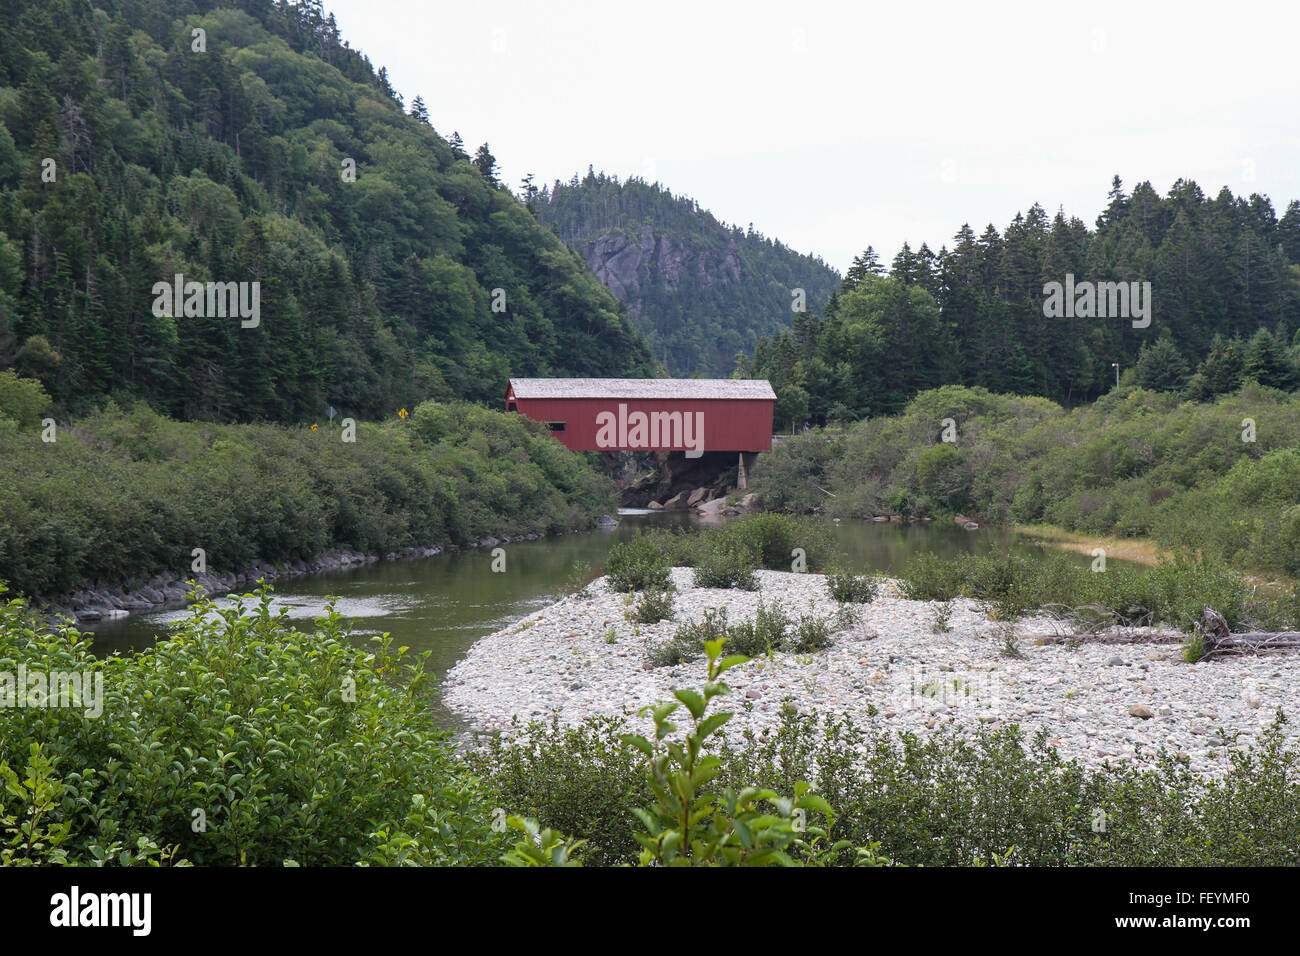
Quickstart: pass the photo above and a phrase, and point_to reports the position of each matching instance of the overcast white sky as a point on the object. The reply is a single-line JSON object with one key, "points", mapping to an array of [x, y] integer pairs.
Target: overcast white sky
{"points": [[832, 126]]}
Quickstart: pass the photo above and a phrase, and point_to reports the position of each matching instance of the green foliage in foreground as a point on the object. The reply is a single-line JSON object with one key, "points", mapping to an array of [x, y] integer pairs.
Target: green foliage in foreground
{"points": [[1135, 463], [691, 823], [1172, 593], [240, 741], [937, 802], [123, 495]]}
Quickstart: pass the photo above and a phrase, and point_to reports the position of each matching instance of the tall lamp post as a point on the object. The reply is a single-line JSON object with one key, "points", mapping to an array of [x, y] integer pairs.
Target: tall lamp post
{"points": [[1116, 365]]}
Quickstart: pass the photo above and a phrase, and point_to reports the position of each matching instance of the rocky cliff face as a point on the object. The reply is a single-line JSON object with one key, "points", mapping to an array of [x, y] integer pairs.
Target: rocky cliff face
{"points": [[628, 264], [698, 290]]}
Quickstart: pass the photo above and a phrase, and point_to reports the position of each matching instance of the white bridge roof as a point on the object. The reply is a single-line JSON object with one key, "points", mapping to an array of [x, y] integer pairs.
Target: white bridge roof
{"points": [[665, 388]]}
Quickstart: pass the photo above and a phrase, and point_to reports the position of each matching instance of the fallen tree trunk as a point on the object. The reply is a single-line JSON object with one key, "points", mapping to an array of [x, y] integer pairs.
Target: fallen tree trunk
{"points": [[1092, 637], [1218, 641]]}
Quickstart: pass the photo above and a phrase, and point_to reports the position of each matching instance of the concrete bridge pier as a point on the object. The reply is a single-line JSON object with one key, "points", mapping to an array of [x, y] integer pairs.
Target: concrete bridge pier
{"points": [[747, 459]]}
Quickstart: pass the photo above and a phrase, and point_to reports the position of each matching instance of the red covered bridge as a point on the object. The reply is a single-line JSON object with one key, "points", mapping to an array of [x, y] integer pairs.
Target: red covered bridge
{"points": [[690, 415]]}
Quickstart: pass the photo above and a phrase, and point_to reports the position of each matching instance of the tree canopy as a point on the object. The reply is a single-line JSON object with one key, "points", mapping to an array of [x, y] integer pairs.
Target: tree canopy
{"points": [[247, 142]]}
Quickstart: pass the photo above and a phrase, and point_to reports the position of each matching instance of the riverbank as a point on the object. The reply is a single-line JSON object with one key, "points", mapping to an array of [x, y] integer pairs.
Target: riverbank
{"points": [[1139, 550], [891, 668], [122, 499], [170, 590]]}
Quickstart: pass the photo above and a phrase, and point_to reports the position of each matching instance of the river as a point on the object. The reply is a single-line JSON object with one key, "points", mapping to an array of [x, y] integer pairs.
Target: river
{"points": [[443, 604]]}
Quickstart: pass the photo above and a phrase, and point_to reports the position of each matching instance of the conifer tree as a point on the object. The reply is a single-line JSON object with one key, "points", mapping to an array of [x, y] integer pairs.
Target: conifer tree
{"points": [[1160, 367]]}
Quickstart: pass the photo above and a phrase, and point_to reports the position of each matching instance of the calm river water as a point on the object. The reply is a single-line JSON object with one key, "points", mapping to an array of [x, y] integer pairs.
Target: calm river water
{"points": [[445, 603]]}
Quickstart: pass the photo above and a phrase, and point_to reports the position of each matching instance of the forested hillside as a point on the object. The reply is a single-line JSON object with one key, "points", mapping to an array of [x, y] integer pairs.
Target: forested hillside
{"points": [[1222, 267], [701, 291], [246, 142]]}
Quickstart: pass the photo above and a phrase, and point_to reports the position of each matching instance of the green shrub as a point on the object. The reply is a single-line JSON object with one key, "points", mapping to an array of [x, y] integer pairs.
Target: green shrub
{"points": [[638, 565], [767, 632], [581, 780], [1133, 463], [1008, 586], [726, 567], [811, 633], [655, 605], [928, 577], [284, 744], [122, 496], [693, 822], [770, 540], [942, 619], [849, 588], [672, 652], [941, 800], [687, 642]]}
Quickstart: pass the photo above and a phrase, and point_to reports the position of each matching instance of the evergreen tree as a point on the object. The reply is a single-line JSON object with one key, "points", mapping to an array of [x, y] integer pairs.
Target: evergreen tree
{"points": [[865, 265], [1160, 367], [1268, 363], [1220, 373], [486, 163]]}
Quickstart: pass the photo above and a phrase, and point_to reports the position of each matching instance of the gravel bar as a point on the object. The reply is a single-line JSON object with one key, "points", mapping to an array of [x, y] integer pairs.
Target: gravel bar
{"points": [[1097, 702]]}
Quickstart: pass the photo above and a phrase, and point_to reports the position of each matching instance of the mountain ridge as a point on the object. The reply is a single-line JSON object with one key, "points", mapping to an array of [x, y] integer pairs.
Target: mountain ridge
{"points": [[700, 290]]}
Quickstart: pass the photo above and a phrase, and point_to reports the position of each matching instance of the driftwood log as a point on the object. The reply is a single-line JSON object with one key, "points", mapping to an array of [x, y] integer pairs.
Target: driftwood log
{"points": [[1119, 637], [1217, 640]]}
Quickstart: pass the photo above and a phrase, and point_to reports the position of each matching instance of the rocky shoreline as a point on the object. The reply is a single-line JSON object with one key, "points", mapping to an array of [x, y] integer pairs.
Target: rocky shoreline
{"points": [[170, 589], [582, 657]]}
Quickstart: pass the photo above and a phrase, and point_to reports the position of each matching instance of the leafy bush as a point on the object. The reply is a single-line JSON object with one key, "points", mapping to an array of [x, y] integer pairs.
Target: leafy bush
{"points": [[768, 631], [1134, 463], [811, 633], [849, 588], [726, 567], [1171, 592], [687, 642], [690, 823], [581, 780], [638, 565], [929, 577], [655, 605], [770, 540], [723, 557], [239, 741], [942, 618], [676, 650], [939, 801]]}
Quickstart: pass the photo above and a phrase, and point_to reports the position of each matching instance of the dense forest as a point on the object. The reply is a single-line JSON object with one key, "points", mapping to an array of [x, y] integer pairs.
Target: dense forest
{"points": [[245, 141], [700, 291], [1224, 292]]}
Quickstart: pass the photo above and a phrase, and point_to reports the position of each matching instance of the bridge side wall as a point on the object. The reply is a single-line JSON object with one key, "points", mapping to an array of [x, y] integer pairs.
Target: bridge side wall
{"points": [[729, 424]]}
